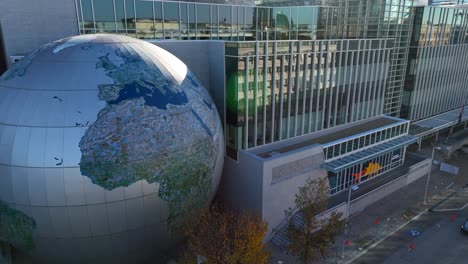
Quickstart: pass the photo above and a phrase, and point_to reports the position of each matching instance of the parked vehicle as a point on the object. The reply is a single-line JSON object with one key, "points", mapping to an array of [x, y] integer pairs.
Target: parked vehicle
{"points": [[464, 227]]}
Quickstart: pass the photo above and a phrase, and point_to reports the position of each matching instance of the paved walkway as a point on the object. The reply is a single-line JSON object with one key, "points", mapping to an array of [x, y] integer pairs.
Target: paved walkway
{"points": [[391, 212], [440, 241], [456, 202]]}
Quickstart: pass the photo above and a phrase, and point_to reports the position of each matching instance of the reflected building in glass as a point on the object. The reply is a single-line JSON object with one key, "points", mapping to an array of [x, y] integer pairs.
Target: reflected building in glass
{"points": [[436, 75], [309, 67]]}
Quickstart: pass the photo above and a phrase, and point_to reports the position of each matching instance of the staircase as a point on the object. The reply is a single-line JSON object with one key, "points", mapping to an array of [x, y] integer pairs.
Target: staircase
{"points": [[281, 235]]}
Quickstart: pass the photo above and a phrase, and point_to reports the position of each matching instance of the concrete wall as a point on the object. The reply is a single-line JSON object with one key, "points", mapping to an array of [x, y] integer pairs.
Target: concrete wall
{"points": [[241, 184], [279, 194], [217, 86], [30, 24], [268, 185], [252, 184], [360, 203], [206, 60]]}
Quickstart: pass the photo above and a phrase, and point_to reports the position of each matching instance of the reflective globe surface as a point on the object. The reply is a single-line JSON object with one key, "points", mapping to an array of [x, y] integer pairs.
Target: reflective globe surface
{"points": [[108, 145]]}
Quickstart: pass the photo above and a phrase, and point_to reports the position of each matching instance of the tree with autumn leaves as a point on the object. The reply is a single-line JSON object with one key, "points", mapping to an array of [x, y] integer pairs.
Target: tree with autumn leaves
{"points": [[310, 239], [226, 237]]}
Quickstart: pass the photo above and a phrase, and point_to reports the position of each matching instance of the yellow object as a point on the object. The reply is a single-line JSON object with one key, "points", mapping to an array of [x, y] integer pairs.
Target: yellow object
{"points": [[372, 168]]}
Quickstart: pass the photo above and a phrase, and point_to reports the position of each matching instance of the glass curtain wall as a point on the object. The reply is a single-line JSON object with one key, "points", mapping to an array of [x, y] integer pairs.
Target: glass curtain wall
{"points": [[335, 150], [437, 67], [380, 19], [399, 18], [375, 19], [365, 171], [183, 20], [278, 90]]}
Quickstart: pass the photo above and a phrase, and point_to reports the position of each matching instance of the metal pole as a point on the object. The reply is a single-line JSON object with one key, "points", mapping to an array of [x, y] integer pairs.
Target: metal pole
{"points": [[346, 222], [429, 175]]}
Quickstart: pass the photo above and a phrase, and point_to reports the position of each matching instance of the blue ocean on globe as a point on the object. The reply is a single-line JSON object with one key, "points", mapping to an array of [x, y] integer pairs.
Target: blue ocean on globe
{"points": [[113, 146]]}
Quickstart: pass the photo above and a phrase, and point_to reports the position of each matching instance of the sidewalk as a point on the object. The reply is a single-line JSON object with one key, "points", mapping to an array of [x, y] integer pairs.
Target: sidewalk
{"points": [[391, 212], [457, 201], [401, 206]]}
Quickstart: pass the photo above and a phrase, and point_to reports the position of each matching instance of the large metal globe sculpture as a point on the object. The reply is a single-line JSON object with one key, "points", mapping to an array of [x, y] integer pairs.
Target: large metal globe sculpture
{"points": [[108, 144]]}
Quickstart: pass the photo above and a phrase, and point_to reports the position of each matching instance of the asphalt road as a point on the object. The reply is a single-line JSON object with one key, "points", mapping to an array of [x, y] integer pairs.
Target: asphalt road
{"points": [[439, 241]]}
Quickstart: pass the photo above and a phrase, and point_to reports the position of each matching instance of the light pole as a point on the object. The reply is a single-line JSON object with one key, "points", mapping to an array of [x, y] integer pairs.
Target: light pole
{"points": [[429, 173], [351, 188]]}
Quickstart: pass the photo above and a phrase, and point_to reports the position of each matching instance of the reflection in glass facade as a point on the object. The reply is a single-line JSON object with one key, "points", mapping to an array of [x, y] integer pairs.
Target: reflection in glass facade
{"points": [[382, 19], [374, 19], [278, 90], [290, 70], [436, 76], [183, 20]]}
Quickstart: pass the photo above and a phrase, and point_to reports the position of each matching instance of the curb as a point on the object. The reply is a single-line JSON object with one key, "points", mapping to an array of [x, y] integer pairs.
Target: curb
{"points": [[431, 209], [399, 228], [385, 237]]}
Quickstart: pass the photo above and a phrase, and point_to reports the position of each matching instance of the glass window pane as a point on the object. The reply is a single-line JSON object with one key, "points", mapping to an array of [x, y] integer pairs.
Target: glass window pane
{"points": [[203, 21], [80, 18], [184, 21], [282, 22], [343, 148], [388, 133], [120, 16], [130, 14], [225, 21], [306, 22], [262, 22], [158, 21], [104, 15], [214, 21], [144, 20], [171, 20], [241, 18], [235, 22], [87, 13], [294, 22], [249, 26], [192, 24]]}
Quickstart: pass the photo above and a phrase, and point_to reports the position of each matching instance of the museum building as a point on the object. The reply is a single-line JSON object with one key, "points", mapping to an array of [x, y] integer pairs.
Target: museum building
{"points": [[334, 88]]}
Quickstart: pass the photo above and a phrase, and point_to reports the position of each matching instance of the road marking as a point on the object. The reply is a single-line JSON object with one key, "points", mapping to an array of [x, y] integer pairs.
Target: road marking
{"points": [[450, 185], [387, 236], [414, 233], [450, 209]]}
